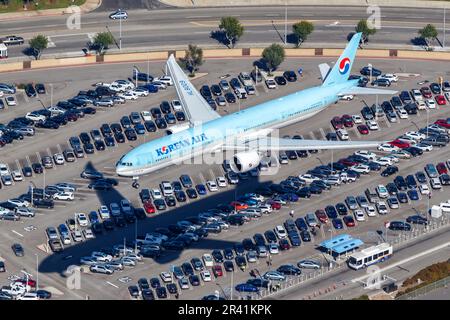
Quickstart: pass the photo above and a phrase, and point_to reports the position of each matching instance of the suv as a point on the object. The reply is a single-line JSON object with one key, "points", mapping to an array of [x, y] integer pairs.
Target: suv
{"points": [[166, 188]]}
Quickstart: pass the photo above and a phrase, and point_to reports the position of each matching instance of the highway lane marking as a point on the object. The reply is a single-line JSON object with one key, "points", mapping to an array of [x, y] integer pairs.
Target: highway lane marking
{"points": [[19, 234], [196, 17], [421, 254]]}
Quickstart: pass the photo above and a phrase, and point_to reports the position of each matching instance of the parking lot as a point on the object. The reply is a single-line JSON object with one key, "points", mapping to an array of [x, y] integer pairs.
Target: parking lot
{"points": [[47, 142]]}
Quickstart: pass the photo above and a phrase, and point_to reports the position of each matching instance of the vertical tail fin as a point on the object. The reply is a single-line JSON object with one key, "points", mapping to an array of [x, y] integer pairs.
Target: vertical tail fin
{"points": [[341, 69]]}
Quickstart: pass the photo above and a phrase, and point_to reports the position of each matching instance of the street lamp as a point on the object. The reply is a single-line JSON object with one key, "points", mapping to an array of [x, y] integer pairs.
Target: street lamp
{"points": [[37, 271]]}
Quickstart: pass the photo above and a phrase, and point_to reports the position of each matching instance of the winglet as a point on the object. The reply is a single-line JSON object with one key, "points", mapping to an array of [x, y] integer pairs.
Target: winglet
{"points": [[341, 70]]}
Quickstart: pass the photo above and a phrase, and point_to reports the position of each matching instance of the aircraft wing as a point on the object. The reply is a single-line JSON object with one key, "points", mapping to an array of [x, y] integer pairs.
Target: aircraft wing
{"points": [[281, 144], [197, 109], [364, 91]]}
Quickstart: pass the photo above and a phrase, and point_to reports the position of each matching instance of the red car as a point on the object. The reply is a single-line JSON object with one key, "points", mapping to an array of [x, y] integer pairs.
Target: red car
{"points": [[426, 92], [284, 244], [239, 205], [217, 271], [149, 207], [363, 129], [348, 121], [441, 168], [275, 205], [349, 221], [400, 144], [440, 100], [337, 123], [347, 163], [31, 282], [322, 216], [443, 123]]}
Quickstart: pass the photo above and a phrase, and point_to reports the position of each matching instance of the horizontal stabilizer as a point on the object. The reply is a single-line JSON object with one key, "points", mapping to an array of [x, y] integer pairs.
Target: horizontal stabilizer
{"points": [[324, 70], [364, 91]]}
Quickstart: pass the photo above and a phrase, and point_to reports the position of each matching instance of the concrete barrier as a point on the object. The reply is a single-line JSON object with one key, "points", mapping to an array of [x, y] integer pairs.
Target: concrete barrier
{"points": [[216, 53]]}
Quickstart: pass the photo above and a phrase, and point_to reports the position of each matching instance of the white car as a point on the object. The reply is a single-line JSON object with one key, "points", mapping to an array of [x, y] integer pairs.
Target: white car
{"points": [[271, 84], [104, 212], [392, 157], [36, 117], [416, 94], [408, 140], [387, 147], [28, 296], [17, 175], [166, 188], [359, 215], [366, 154], [424, 189], [445, 207], [280, 232], [140, 92], [402, 114], [66, 196], [77, 236], [361, 168], [167, 80], [128, 95], [19, 203], [424, 147], [206, 276], [24, 212], [430, 104], [98, 268], [4, 170], [273, 248], [222, 182], [176, 105], [166, 277], [308, 178], [11, 101], [346, 97], [212, 186], [435, 183], [59, 158], [370, 211], [357, 119], [128, 85], [82, 219], [56, 110], [101, 256], [382, 191], [342, 134], [382, 207], [421, 105], [392, 77], [415, 135], [146, 115], [372, 124], [88, 234], [208, 260], [156, 194]]}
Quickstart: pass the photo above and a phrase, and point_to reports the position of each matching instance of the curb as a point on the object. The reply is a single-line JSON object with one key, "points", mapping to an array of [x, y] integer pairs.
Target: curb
{"points": [[249, 53]]}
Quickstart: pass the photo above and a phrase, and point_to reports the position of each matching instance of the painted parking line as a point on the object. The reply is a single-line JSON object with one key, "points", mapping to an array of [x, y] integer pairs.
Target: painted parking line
{"points": [[19, 234], [112, 284]]}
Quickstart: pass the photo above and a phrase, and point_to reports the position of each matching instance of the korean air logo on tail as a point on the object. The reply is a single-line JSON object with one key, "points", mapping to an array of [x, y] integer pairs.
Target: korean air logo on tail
{"points": [[344, 66]]}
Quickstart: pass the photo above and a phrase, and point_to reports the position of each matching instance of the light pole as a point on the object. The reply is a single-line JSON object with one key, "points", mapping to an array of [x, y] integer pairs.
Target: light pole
{"points": [[285, 22], [369, 66], [37, 271], [51, 94], [120, 34], [443, 43]]}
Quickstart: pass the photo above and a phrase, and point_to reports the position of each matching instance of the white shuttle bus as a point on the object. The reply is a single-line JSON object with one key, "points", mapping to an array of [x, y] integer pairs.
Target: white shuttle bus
{"points": [[371, 255]]}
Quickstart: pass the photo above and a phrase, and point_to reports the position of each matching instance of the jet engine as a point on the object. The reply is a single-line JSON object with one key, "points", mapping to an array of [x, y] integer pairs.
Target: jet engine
{"points": [[245, 161]]}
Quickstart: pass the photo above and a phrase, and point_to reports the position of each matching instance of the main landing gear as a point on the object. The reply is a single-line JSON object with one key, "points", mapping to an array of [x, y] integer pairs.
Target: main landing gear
{"points": [[135, 183]]}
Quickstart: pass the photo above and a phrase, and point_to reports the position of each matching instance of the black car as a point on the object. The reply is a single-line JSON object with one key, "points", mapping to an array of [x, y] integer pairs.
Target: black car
{"points": [[88, 148], [331, 212], [37, 168], [281, 81], [191, 193], [116, 127], [180, 116], [170, 118], [414, 151], [306, 236], [106, 130], [165, 107], [18, 249], [133, 291], [420, 176], [109, 141], [108, 224], [228, 253], [366, 71], [205, 91], [230, 97], [217, 256], [405, 97], [150, 126], [228, 265], [120, 221], [410, 108], [27, 171], [216, 90], [290, 76], [43, 294], [399, 225], [47, 124], [130, 134], [411, 181], [147, 294], [392, 188], [170, 201], [159, 204], [119, 136], [341, 209], [30, 91], [417, 219], [270, 236], [161, 123], [400, 183], [172, 288], [156, 113], [125, 122], [289, 270], [40, 88], [187, 269], [43, 203], [180, 196], [435, 88], [259, 282], [390, 170], [381, 82]]}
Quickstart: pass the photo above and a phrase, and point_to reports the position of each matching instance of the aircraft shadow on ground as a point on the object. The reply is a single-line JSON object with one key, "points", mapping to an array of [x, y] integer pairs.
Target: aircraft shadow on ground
{"points": [[58, 262]]}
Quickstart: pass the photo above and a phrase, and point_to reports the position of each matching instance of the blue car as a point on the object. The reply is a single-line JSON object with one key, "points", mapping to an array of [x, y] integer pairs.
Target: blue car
{"points": [[337, 223], [150, 87], [292, 197], [249, 201], [413, 194], [201, 189], [295, 239], [139, 128], [246, 287], [331, 212], [93, 216]]}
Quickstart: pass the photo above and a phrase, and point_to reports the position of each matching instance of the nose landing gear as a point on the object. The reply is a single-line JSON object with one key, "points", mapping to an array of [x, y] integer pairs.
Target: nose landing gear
{"points": [[135, 183]]}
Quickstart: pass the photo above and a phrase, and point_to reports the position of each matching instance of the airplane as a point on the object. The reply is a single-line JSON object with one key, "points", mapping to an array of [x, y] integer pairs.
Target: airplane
{"points": [[245, 133]]}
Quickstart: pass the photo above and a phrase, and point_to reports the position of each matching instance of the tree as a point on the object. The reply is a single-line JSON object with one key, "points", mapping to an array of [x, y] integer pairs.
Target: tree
{"points": [[302, 30], [366, 31], [273, 56], [38, 44], [102, 41], [428, 33], [232, 28], [192, 59]]}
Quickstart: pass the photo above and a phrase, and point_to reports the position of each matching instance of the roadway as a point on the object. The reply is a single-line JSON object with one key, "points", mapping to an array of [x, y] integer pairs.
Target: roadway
{"points": [[175, 28], [51, 266]]}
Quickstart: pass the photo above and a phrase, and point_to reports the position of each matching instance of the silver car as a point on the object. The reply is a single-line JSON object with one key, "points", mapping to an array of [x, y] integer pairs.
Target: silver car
{"points": [[309, 264]]}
